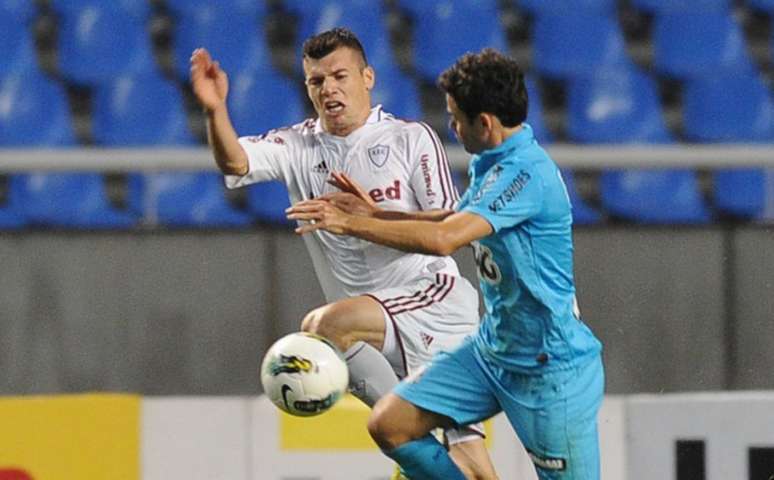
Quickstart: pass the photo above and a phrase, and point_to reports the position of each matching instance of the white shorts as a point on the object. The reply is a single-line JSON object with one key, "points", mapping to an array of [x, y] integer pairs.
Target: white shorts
{"points": [[424, 317]]}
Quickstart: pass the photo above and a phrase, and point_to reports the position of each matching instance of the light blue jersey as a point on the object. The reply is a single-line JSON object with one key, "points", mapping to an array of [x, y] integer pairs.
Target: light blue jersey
{"points": [[525, 266]]}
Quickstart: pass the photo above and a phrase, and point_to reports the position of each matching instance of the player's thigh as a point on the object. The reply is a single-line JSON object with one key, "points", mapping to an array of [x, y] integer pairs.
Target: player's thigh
{"points": [[453, 385], [425, 317], [555, 417], [347, 321]]}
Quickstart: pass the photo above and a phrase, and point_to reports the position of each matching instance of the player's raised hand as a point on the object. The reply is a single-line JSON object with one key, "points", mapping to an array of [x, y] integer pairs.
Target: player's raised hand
{"points": [[350, 203], [319, 215], [208, 80], [344, 182]]}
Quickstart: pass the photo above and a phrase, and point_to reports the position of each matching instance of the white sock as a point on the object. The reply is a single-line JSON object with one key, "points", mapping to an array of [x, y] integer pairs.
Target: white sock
{"points": [[370, 374]]}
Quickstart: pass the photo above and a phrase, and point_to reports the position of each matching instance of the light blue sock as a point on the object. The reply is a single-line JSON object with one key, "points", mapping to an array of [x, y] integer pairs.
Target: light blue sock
{"points": [[425, 459]]}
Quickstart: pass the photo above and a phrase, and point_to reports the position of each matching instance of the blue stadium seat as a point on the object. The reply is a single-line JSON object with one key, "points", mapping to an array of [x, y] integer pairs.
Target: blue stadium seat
{"points": [[730, 107], [183, 199], [242, 48], [582, 212], [263, 100], [535, 113], [16, 36], [698, 44], [568, 7], [397, 93], [70, 200], [659, 7], [458, 25], [98, 40], [35, 111], [10, 219], [267, 201], [762, 5], [615, 106], [570, 45], [143, 109], [364, 17], [740, 192], [661, 197]]}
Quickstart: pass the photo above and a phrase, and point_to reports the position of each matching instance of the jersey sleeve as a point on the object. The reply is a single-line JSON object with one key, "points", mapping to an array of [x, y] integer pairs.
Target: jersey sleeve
{"points": [[509, 195], [266, 155], [431, 178]]}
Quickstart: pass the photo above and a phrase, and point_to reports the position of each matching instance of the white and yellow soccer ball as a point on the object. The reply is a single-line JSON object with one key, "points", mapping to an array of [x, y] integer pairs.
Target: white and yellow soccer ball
{"points": [[304, 374]]}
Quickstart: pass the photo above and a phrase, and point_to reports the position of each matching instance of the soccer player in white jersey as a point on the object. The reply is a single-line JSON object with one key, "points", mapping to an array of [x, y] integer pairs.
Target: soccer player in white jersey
{"points": [[389, 311]]}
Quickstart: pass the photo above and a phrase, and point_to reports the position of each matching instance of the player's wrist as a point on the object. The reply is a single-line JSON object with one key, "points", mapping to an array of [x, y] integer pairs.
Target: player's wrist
{"points": [[215, 109]]}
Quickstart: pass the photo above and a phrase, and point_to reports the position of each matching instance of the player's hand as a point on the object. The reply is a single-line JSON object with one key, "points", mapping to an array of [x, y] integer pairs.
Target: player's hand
{"points": [[208, 80], [343, 182], [319, 215], [350, 203]]}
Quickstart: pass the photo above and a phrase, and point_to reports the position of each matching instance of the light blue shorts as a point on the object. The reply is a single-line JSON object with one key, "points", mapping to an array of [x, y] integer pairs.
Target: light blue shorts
{"points": [[554, 414]]}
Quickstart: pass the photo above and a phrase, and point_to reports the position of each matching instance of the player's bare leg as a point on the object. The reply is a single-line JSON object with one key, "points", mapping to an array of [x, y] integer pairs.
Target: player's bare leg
{"points": [[357, 323], [356, 326], [473, 459]]}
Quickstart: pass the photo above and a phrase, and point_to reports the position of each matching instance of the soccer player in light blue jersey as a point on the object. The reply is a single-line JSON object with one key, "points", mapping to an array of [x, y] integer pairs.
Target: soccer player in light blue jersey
{"points": [[532, 357]]}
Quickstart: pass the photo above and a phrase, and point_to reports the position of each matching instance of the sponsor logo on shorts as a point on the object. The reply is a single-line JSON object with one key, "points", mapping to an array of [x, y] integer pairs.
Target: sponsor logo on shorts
{"points": [[548, 463], [426, 339]]}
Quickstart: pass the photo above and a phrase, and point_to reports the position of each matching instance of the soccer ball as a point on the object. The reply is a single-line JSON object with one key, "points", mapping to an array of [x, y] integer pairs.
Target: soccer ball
{"points": [[304, 374]]}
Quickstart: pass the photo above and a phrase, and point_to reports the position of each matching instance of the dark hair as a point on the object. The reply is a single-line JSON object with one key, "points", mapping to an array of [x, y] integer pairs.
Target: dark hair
{"points": [[322, 44], [487, 82]]}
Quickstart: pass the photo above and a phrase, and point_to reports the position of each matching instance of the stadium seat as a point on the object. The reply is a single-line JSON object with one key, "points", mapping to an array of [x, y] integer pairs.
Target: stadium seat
{"points": [[615, 106], [99, 40], [143, 109], [267, 201], [243, 48], [653, 196], [460, 26], [571, 45], [34, 111], [762, 5], [183, 199], [364, 17], [69, 200], [566, 7], [690, 45], [740, 193], [730, 107], [11, 219], [16, 36], [263, 100], [659, 7], [582, 213], [398, 93]]}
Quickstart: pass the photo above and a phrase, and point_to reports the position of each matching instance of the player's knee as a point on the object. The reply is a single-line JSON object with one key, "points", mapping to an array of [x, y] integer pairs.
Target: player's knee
{"points": [[319, 323], [386, 432]]}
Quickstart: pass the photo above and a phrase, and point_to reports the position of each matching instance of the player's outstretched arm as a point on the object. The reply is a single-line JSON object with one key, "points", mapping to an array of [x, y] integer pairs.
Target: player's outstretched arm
{"points": [[210, 86], [421, 236], [355, 200]]}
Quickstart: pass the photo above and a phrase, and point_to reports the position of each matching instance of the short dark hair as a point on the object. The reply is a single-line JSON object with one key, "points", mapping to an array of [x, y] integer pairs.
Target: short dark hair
{"points": [[487, 82], [322, 44]]}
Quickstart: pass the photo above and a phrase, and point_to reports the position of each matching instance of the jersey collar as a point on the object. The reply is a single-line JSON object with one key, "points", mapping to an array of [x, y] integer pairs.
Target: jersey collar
{"points": [[487, 158]]}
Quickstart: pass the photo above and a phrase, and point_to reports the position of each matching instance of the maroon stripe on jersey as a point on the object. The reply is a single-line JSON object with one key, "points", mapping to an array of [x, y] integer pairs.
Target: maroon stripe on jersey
{"points": [[439, 156], [446, 173], [397, 333]]}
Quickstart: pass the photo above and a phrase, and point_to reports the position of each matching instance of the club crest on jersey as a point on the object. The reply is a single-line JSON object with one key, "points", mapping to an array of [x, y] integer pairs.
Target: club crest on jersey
{"points": [[379, 154]]}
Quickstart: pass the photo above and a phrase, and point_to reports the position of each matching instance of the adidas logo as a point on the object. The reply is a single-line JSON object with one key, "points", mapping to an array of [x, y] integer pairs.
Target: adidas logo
{"points": [[321, 167], [426, 339]]}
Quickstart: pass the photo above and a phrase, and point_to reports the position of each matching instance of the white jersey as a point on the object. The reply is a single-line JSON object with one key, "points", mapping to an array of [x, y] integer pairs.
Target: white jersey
{"points": [[402, 165]]}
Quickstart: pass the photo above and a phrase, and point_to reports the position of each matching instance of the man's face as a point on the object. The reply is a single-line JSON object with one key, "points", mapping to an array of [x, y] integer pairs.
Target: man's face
{"points": [[468, 133], [339, 87]]}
